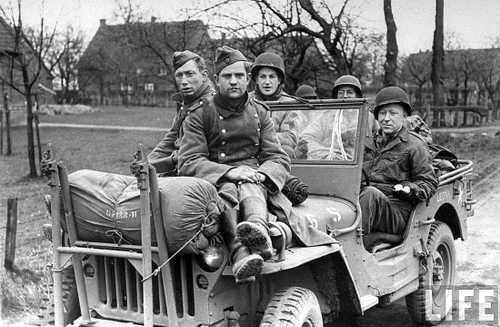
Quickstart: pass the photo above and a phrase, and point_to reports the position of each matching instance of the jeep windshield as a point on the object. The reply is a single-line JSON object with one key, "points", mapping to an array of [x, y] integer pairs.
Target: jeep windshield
{"points": [[318, 131]]}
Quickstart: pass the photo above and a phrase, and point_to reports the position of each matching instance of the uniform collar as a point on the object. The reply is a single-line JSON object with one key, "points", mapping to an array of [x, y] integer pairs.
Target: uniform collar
{"points": [[401, 136], [228, 107], [186, 101]]}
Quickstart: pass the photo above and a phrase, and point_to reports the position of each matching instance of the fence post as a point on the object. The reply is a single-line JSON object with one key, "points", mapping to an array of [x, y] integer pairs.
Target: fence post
{"points": [[7, 123], [10, 234]]}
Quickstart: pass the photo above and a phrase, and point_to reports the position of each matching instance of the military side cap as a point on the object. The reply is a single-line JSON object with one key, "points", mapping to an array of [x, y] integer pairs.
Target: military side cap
{"points": [[181, 57], [225, 56]]}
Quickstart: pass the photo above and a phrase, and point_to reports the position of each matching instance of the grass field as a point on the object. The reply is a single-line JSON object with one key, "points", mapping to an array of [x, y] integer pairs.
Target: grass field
{"points": [[111, 151], [118, 115]]}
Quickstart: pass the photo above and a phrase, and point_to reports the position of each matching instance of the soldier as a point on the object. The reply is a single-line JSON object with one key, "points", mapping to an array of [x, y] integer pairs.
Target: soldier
{"points": [[397, 167], [268, 74], [323, 141], [230, 141], [193, 84]]}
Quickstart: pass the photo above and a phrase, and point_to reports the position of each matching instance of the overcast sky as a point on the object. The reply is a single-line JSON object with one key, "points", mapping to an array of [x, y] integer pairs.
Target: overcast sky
{"points": [[476, 22]]}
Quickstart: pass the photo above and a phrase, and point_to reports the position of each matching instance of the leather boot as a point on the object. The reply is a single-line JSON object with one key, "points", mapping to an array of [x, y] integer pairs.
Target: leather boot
{"points": [[245, 265], [253, 230]]}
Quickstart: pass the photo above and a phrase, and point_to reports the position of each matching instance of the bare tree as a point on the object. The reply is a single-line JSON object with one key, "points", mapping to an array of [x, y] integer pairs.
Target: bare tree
{"points": [[438, 55], [25, 67], [63, 57], [391, 63], [416, 70]]}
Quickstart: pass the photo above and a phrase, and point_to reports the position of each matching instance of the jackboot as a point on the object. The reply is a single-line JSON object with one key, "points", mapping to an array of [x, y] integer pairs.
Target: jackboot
{"points": [[244, 264], [253, 230]]}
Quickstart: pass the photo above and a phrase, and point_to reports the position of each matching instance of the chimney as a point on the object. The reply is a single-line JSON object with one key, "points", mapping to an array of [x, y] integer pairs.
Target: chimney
{"points": [[102, 22], [153, 19]]}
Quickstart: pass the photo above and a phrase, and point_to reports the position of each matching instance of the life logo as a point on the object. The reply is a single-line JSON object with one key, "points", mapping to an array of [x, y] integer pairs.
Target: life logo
{"points": [[465, 305]]}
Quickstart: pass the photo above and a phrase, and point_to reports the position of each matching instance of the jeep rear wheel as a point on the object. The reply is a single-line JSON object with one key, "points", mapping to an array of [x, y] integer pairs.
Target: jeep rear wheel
{"points": [[427, 305], [293, 307]]}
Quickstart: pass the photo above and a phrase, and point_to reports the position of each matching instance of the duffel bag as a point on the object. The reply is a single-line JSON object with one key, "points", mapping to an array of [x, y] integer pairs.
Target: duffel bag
{"points": [[107, 208]]}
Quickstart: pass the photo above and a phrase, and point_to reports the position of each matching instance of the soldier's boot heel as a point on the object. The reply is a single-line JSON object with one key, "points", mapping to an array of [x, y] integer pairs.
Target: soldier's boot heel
{"points": [[256, 238], [245, 265]]}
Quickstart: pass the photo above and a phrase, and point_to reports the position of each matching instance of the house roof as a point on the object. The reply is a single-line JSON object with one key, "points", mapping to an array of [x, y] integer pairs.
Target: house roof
{"points": [[127, 46], [7, 41]]}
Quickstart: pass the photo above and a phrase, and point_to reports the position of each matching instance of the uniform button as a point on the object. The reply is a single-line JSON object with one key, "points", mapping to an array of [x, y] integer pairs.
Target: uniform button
{"points": [[223, 131], [221, 118], [256, 144], [223, 142], [222, 155], [256, 116], [258, 129]]}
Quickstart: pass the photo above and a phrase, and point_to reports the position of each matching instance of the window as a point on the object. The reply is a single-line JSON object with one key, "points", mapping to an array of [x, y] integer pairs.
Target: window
{"points": [[149, 87]]}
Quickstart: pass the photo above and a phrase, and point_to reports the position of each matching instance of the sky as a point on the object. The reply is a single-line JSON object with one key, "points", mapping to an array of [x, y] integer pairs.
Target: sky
{"points": [[476, 23]]}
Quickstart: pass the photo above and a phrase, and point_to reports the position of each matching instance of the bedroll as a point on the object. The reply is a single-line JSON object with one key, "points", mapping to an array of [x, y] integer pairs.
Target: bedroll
{"points": [[106, 208]]}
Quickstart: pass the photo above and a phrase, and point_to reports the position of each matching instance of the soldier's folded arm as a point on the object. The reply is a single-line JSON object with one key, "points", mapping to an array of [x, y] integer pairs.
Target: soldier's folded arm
{"points": [[193, 152], [274, 163]]}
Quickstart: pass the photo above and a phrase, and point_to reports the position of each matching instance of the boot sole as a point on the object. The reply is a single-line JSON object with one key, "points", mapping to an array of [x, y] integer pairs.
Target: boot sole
{"points": [[251, 266], [254, 239]]}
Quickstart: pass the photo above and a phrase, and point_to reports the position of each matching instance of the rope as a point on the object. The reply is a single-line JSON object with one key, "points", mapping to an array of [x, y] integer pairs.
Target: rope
{"points": [[158, 269]]}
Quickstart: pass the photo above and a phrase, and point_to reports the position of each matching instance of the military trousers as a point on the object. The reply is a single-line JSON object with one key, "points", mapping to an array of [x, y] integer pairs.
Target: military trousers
{"points": [[383, 213]]}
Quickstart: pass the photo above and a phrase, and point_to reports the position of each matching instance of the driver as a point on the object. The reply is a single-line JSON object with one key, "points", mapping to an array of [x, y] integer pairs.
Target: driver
{"points": [[397, 167]]}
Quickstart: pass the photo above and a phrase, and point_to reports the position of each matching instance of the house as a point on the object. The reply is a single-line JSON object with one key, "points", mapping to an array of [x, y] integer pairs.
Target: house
{"points": [[131, 63], [10, 56]]}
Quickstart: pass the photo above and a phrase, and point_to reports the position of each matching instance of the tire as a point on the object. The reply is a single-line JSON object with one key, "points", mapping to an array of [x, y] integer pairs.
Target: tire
{"points": [[439, 276], [70, 299], [293, 307]]}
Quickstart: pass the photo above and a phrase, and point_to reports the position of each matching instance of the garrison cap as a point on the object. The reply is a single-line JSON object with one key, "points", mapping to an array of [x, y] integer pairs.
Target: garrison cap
{"points": [[225, 56], [179, 58]]}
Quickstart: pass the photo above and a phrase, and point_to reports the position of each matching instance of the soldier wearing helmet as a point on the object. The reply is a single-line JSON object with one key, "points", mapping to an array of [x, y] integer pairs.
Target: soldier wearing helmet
{"points": [[268, 74], [331, 136], [397, 168]]}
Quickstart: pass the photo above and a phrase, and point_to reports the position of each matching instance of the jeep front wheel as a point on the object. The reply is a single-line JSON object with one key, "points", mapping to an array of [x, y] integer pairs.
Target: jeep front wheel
{"points": [[427, 305], [293, 307]]}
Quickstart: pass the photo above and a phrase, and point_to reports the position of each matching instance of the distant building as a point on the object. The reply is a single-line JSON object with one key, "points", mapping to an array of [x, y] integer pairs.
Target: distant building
{"points": [[131, 63], [8, 58]]}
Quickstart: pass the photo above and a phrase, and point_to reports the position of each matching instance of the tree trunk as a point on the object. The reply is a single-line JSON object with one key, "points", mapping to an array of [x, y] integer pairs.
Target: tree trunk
{"points": [[438, 56], [391, 63], [29, 122]]}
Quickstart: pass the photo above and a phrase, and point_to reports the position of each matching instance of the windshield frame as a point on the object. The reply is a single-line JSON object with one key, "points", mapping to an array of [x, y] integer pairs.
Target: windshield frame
{"points": [[359, 104]]}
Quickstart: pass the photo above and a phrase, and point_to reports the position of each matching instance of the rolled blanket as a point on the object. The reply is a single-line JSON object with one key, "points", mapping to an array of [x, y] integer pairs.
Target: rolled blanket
{"points": [[295, 190]]}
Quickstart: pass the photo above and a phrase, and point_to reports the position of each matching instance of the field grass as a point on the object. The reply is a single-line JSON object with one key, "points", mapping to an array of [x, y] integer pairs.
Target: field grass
{"points": [[21, 294], [118, 115]]}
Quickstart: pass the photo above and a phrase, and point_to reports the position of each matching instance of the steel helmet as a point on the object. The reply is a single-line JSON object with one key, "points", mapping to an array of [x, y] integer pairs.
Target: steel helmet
{"points": [[347, 80], [392, 94], [305, 91], [269, 60]]}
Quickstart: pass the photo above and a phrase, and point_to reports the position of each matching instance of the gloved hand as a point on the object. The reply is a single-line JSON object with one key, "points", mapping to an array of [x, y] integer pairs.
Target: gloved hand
{"points": [[405, 191]]}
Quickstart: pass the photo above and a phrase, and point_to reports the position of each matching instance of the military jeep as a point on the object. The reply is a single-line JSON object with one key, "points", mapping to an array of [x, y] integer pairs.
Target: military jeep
{"points": [[123, 285]]}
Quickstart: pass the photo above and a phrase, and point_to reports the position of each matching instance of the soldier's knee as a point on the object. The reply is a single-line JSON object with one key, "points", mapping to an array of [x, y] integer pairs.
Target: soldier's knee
{"points": [[371, 193]]}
